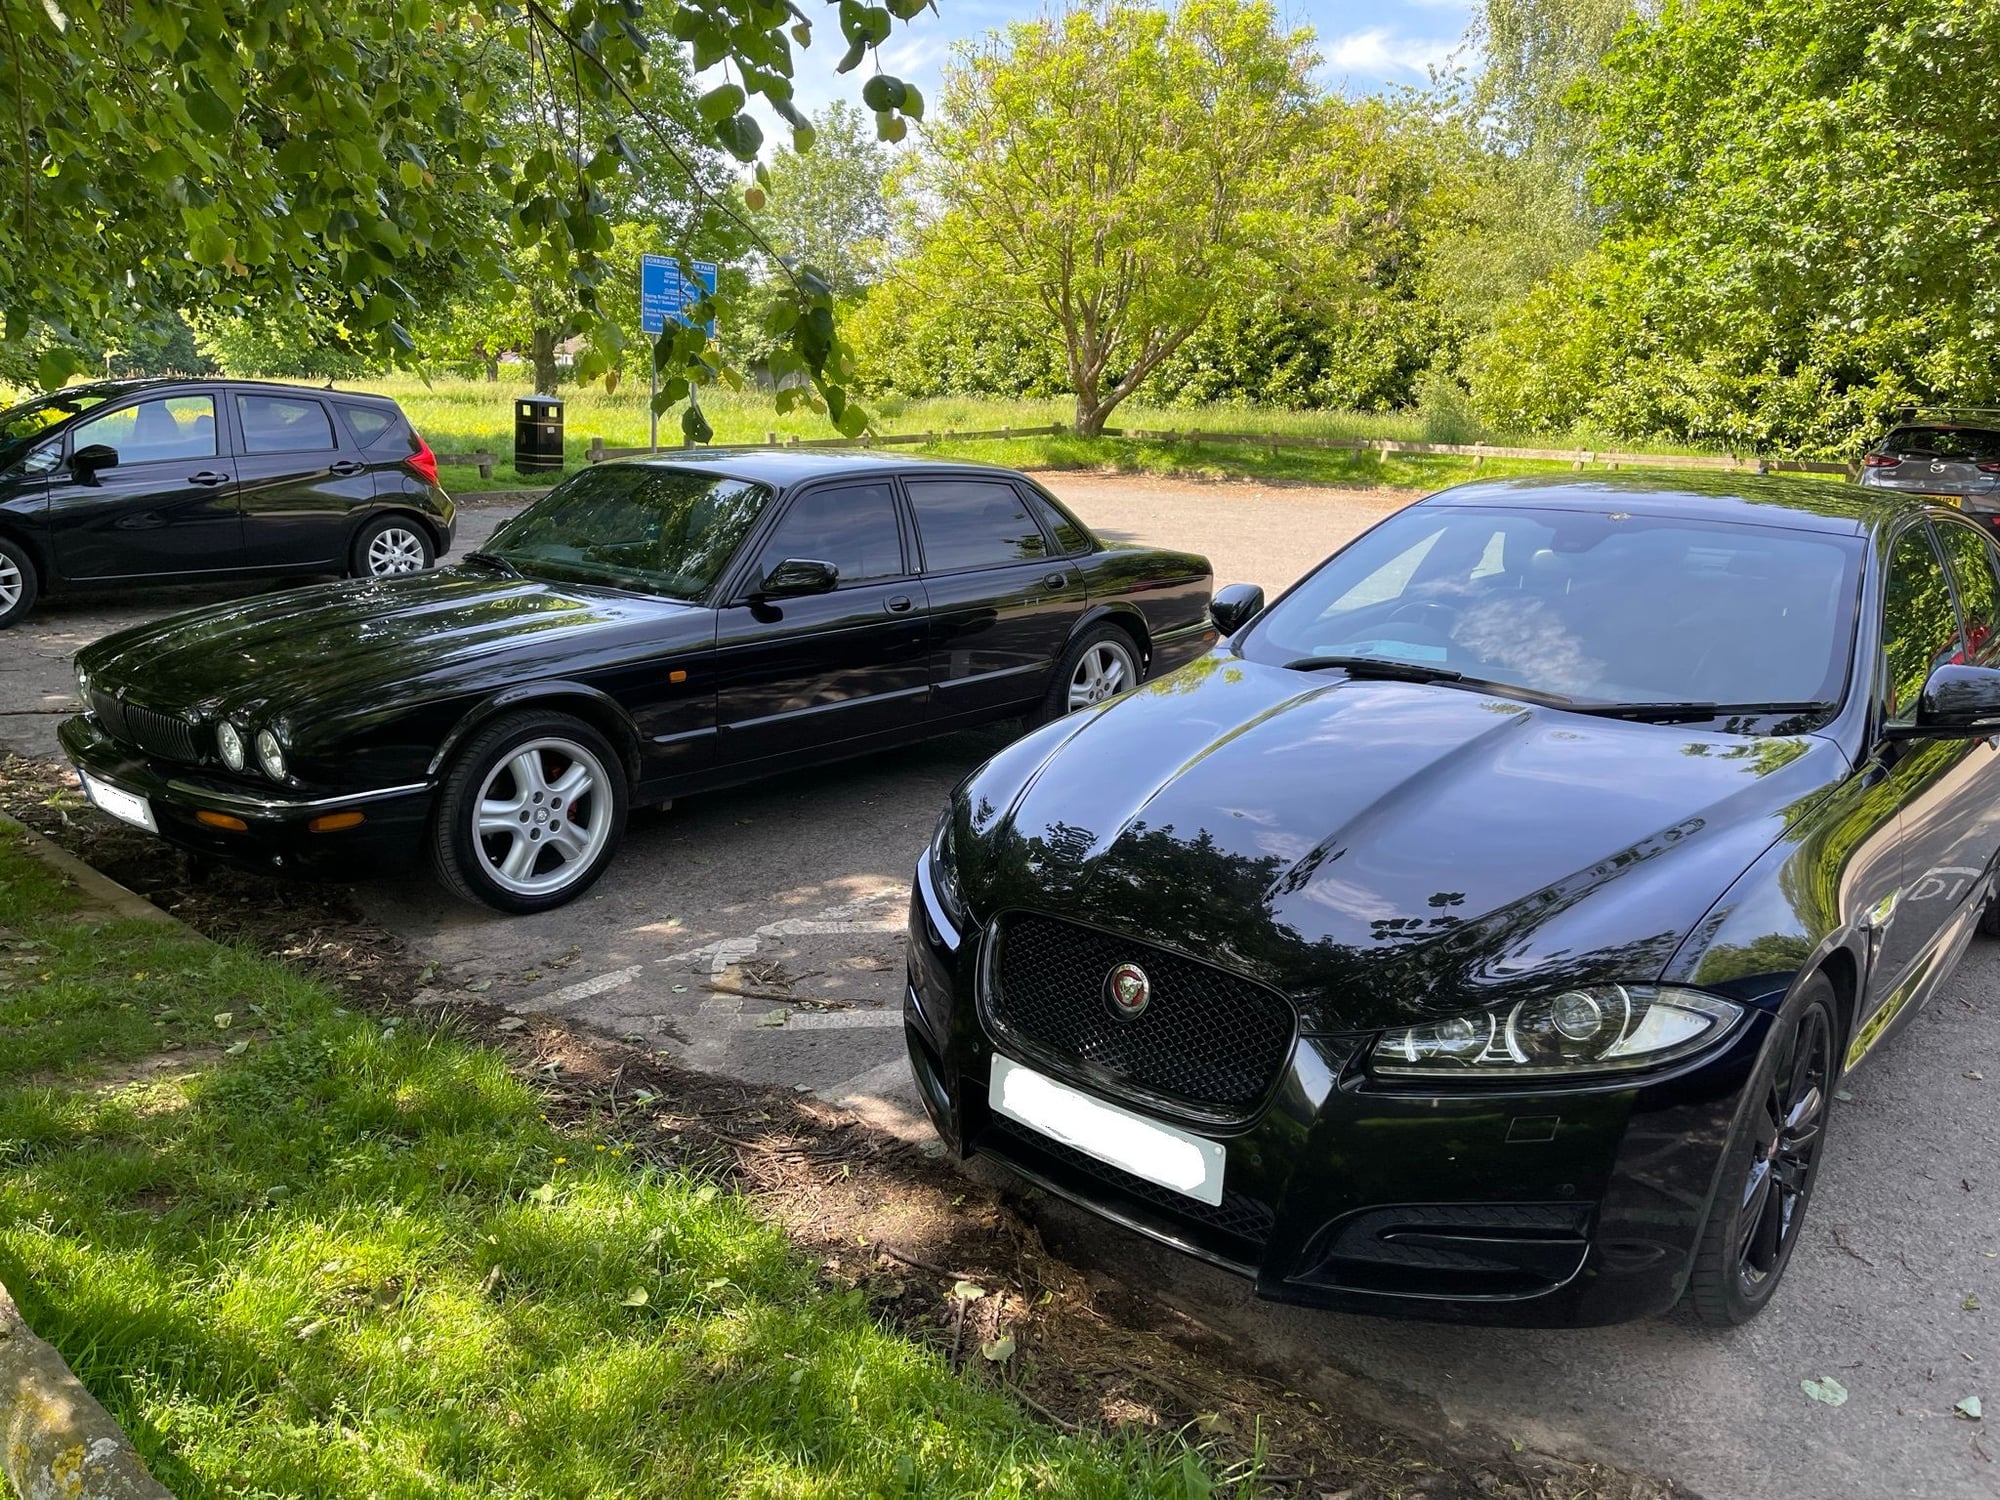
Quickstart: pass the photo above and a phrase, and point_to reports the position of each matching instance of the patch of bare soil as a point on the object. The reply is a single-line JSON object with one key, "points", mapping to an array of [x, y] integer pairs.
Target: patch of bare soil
{"points": [[951, 1262]]}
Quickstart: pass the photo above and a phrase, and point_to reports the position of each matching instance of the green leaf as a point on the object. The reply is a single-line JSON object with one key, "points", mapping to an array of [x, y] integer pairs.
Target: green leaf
{"points": [[999, 1350], [913, 102], [967, 1291], [207, 111], [882, 92], [1969, 1409], [1825, 1389], [718, 104], [741, 137], [637, 1297], [851, 58], [411, 174], [891, 128]]}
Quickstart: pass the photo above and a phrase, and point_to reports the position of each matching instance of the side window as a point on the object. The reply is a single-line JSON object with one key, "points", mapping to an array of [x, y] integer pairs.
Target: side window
{"points": [[853, 527], [1071, 538], [973, 523], [283, 424], [1972, 559], [1919, 629], [367, 423], [167, 427]]}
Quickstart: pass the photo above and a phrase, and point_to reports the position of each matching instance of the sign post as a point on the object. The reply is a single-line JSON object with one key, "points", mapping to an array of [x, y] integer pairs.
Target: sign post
{"points": [[666, 295]]}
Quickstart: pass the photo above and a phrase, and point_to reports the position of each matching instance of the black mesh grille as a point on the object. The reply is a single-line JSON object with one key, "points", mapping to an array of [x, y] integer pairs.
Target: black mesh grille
{"points": [[1245, 1218], [1207, 1038], [164, 735]]}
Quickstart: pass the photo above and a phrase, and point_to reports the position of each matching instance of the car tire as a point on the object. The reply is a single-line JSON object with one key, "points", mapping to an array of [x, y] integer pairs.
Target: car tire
{"points": [[1772, 1162], [1100, 663], [390, 545], [1989, 919], [19, 583], [530, 813]]}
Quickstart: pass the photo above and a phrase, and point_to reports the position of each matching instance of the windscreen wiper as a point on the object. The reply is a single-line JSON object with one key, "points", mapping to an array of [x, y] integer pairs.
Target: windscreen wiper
{"points": [[492, 560], [1689, 713], [1377, 666]]}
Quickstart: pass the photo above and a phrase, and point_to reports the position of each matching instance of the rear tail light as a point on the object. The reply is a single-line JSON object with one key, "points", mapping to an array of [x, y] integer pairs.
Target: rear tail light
{"points": [[1881, 460], [1989, 468], [423, 463]]}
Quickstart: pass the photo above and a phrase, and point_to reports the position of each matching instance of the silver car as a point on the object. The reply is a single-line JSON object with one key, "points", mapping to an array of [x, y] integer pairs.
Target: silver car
{"points": [[1947, 459]]}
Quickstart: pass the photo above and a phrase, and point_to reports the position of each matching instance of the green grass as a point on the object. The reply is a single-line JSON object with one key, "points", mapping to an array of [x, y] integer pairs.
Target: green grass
{"points": [[323, 1254], [462, 416]]}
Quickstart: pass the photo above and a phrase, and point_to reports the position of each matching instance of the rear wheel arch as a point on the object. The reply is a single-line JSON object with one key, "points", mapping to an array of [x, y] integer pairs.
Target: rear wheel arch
{"points": [[25, 539], [1127, 619], [395, 508]]}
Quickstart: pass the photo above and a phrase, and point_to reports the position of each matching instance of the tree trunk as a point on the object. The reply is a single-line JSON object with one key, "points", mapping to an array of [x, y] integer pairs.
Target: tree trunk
{"points": [[55, 1440], [544, 346], [489, 359]]}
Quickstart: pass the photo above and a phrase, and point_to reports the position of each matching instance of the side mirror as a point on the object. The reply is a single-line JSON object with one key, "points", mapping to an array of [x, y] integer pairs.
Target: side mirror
{"points": [[1235, 606], [87, 460], [1959, 703], [799, 575]]}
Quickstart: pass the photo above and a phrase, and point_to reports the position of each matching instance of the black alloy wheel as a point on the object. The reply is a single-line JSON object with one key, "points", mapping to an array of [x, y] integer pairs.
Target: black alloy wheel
{"points": [[1772, 1163]]}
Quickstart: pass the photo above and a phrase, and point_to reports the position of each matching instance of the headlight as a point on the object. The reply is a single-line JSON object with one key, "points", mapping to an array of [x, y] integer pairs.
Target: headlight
{"points": [[270, 755], [83, 685], [229, 740], [1600, 1028], [944, 871]]}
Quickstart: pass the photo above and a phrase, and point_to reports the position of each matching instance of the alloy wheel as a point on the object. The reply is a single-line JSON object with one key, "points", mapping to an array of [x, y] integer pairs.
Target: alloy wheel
{"points": [[542, 817], [1784, 1135], [1104, 671], [11, 583], [395, 549]]}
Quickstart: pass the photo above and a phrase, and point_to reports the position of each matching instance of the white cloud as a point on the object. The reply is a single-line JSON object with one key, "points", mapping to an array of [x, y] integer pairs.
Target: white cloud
{"points": [[1379, 53]]}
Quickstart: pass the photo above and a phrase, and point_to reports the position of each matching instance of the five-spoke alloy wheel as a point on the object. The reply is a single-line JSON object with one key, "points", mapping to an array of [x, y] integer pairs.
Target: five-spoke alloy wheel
{"points": [[1100, 664], [530, 812], [1768, 1174]]}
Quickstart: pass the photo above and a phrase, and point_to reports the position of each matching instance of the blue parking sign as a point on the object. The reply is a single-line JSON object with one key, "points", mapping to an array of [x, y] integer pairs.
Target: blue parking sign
{"points": [[667, 295]]}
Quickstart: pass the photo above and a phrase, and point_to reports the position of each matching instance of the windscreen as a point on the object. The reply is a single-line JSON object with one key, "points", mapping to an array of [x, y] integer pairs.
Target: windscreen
{"points": [[654, 530], [21, 425], [1599, 608]]}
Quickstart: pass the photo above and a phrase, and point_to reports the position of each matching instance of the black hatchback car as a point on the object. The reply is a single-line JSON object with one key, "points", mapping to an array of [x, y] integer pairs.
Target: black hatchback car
{"points": [[147, 482], [646, 631], [1484, 929]]}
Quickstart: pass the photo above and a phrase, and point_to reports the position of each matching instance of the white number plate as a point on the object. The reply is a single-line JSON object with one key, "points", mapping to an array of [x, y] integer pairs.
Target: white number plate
{"points": [[120, 804], [1145, 1148]]}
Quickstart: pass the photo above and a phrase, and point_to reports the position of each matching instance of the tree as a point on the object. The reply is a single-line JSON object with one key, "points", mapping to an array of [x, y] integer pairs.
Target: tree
{"points": [[1119, 172], [238, 155], [1800, 202], [824, 206]]}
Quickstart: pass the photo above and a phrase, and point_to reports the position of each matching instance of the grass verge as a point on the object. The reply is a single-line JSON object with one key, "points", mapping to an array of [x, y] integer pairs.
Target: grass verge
{"points": [[303, 1251]]}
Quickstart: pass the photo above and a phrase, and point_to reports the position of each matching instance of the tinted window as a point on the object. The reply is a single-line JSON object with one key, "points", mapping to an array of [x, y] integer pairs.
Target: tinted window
{"points": [[1919, 630], [1070, 537], [1970, 443], [973, 523], [656, 530], [283, 424], [19, 425], [165, 428], [853, 527], [367, 423], [1971, 558], [1601, 608]]}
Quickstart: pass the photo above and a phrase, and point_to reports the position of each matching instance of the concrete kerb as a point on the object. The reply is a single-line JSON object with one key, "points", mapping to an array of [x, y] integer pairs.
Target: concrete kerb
{"points": [[56, 1440]]}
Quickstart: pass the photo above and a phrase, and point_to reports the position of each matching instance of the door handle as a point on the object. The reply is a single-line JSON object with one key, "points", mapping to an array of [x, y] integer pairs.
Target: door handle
{"points": [[348, 466], [208, 477], [1055, 580], [897, 604]]}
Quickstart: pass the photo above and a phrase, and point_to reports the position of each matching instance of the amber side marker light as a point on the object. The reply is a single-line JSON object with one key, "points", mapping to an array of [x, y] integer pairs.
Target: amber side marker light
{"points": [[334, 822], [220, 820]]}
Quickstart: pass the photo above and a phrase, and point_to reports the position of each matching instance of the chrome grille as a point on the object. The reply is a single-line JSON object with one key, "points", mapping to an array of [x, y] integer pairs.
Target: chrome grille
{"points": [[164, 735], [1208, 1039]]}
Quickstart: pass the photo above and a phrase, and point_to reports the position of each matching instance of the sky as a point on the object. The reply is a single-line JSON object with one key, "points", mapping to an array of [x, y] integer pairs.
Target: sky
{"points": [[1365, 47]]}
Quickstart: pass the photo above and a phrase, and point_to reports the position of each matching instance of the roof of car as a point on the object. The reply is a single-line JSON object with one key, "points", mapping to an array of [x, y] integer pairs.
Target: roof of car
{"points": [[1749, 499], [780, 467], [113, 389]]}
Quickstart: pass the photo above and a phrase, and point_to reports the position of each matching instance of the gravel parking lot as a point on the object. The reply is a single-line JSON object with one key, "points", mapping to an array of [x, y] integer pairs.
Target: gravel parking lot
{"points": [[757, 932]]}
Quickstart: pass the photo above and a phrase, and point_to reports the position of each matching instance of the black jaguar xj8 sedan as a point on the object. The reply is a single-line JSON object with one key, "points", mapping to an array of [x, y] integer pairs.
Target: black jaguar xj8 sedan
{"points": [[646, 631], [1484, 929]]}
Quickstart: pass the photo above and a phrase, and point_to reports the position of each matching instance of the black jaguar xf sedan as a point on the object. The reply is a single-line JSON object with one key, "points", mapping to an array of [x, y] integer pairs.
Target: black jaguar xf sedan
{"points": [[1484, 929], [646, 631], [124, 483]]}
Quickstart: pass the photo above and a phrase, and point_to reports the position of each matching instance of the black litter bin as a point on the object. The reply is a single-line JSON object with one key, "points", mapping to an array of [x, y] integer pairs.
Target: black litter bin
{"points": [[538, 433]]}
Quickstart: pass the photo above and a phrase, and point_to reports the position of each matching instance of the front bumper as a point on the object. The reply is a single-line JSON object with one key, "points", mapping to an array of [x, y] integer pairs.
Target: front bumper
{"points": [[276, 832], [1545, 1207]]}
